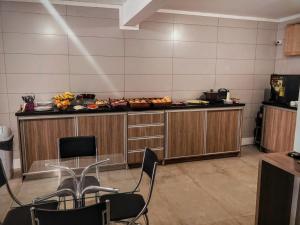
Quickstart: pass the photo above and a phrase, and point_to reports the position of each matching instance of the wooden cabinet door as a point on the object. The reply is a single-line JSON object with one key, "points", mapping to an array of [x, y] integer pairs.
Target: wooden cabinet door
{"points": [[186, 133], [223, 131], [110, 133], [292, 40], [39, 138], [279, 129]]}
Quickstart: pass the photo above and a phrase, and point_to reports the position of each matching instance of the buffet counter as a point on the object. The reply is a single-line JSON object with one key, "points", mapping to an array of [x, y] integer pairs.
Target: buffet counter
{"points": [[56, 111], [174, 132]]}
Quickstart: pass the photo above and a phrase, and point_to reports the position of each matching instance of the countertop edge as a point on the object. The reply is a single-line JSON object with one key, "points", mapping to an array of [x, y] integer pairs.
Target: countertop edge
{"points": [[127, 110], [279, 105]]}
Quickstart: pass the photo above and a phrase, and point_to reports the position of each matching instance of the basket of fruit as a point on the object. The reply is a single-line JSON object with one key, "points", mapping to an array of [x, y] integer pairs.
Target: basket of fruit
{"points": [[160, 102], [63, 101], [139, 103]]}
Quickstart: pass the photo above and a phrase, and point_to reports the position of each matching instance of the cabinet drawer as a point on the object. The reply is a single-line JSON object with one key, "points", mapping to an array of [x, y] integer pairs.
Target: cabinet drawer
{"points": [[145, 118], [145, 131], [137, 157], [143, 143]]}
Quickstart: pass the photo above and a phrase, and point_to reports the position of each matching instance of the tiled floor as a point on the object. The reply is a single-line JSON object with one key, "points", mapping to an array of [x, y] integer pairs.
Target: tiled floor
{"points": [[211, 192]]}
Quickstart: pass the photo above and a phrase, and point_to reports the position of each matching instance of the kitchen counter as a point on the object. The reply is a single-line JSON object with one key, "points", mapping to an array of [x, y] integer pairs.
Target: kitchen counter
{"points": [[111, 110], [278, 105], [173, 132]]}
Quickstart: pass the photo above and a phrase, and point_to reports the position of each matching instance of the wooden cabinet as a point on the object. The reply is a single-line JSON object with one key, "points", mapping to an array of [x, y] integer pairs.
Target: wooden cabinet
{"points": [[145, 129], [186, 133], [292, 40], [279, 126], [39, 138], [223, 131], [197, 133], [123, 136], [110, 131]]}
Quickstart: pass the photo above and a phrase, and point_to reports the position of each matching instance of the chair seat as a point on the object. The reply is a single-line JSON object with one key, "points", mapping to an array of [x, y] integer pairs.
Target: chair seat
{"points": [[124, 206], [21, 215], [68, 183]]}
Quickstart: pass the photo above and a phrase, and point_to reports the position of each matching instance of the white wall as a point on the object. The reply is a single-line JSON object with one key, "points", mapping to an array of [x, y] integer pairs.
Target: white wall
{"points": [[174, 55]]}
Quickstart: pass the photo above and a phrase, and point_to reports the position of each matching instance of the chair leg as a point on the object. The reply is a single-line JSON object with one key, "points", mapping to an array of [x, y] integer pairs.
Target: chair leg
{"points": [[65, 204], [62, 200], [146, 219], [96, 197]]}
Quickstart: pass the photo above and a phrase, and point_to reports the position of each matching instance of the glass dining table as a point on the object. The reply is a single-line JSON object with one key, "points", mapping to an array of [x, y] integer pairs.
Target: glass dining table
{"points": [[44, 177]]}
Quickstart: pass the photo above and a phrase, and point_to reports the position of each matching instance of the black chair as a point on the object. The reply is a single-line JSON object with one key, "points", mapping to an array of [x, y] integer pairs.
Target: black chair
{"points": [[76, 147], [129, 207], [97, 214], [21, 214]]}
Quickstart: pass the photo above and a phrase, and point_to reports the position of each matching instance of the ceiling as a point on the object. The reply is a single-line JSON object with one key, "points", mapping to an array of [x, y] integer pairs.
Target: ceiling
{"points": [[273, 9], [106, 2]]}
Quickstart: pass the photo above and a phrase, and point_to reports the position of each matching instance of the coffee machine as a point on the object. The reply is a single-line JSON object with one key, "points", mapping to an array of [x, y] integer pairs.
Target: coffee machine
{"points": [[284, 88]]}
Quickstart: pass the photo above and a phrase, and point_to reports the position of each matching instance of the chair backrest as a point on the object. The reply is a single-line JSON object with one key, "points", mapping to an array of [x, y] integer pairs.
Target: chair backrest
{"points": [[98, 214], [150, 159], [3, 179], [149, 167], [22, 214], [70, 147]]}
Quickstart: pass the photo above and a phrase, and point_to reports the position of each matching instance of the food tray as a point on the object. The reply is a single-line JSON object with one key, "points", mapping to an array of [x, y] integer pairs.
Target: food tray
{"points": [[135, 105], [161, 104], [119, 104]]}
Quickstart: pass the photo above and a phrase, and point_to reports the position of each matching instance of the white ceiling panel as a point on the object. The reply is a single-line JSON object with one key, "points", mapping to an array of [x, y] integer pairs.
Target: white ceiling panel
{"points": [[273, 9]]}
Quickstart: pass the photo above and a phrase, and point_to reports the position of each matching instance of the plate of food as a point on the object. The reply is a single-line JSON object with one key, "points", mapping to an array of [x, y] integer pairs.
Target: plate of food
{"points": [[197, 102], [165, 101], [139, 103], [92, 106], [78, 107], [42, 108], [101, 103], [118, 103]]}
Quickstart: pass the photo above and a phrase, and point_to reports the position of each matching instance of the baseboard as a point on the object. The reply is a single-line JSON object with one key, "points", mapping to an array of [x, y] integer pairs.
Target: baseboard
{"points": [[17, 164], [248, 141]]}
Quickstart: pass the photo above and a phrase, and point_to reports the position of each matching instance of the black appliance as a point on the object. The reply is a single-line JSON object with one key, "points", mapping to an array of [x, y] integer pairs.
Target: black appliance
{"points": [[223, 93], [284, 88], [258, 127]]}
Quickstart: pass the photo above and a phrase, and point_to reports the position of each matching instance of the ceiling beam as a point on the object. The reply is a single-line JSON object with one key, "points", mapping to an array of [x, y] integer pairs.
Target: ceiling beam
{"points": [[218, 15], [133, 12]]}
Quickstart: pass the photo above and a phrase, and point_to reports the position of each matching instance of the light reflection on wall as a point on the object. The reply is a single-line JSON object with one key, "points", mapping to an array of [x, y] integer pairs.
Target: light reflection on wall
{"points": [[72, 36], [49, 30], [175, 35]]}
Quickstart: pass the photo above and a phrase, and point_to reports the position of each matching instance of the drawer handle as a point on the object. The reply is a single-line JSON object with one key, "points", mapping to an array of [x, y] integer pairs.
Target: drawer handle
{"points": [[147, 125], [142, 150], [145, 113], [146, 137]]}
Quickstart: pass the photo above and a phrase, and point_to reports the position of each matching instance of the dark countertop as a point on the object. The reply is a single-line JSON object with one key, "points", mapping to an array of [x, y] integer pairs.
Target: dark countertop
{"points": [[111, 110], [279, 105]]}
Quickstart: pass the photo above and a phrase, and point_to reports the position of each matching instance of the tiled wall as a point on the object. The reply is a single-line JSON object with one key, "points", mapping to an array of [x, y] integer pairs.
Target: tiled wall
{"points": [[174, 55], [286, 65]]}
